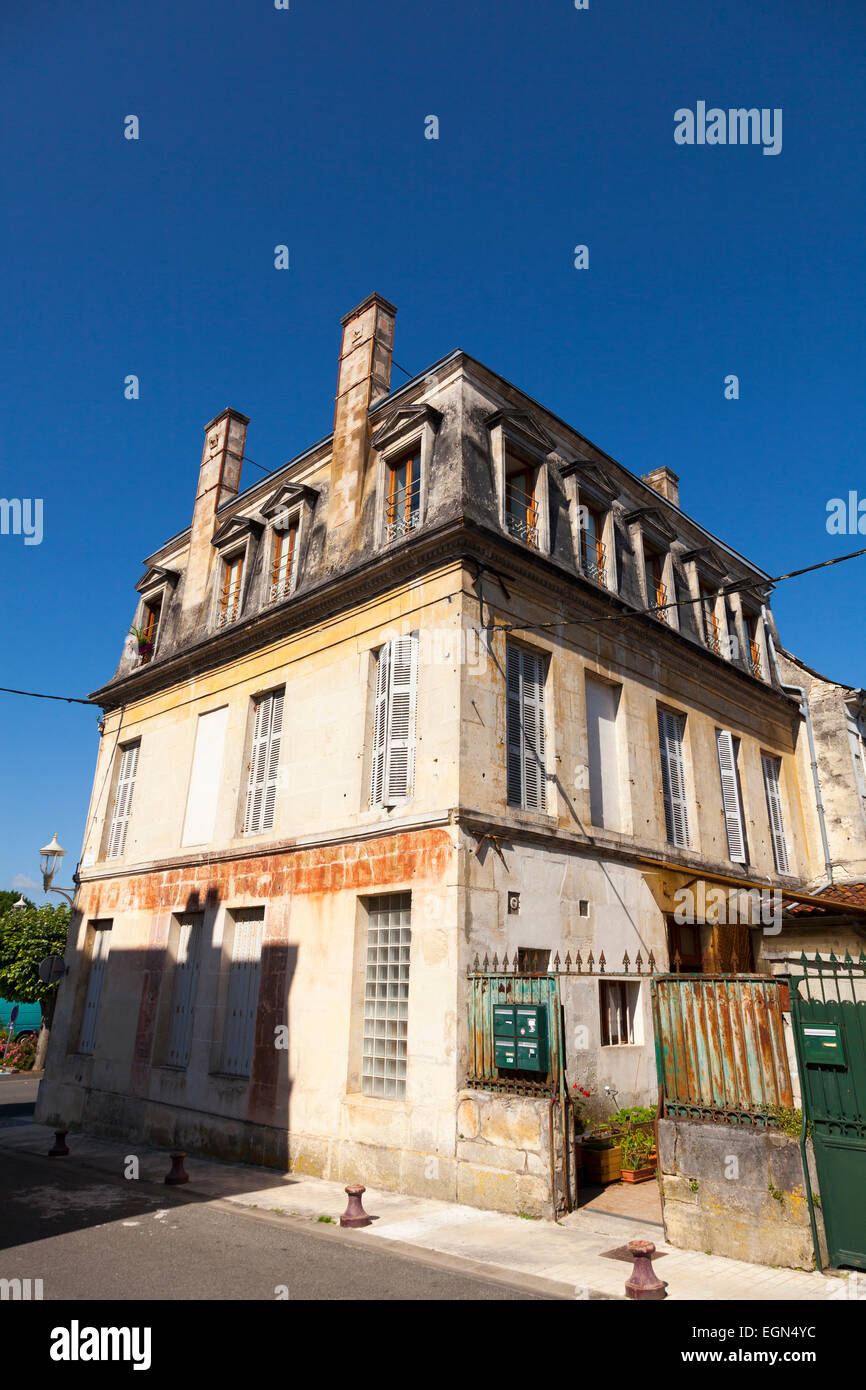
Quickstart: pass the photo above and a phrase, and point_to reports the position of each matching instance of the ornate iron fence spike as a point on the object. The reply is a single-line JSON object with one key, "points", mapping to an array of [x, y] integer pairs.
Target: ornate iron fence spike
{"points": [[589, 962], [476, 966], [567, 962], [601, 963], [862, 959], [848, 961], [626, 970], [651, 963], [556, 961], [832, 957], [495, 963], [677, 959], [505, 962], [486, 965], [578, 962], [638, 963]]}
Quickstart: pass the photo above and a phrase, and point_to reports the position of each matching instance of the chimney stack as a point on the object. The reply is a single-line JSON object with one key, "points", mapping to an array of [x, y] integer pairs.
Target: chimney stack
{"points": [[218, 480], [665, 482], [364, 375]]}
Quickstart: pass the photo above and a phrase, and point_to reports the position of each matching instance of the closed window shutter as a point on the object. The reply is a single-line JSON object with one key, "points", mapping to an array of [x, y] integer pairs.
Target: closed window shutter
{"points": [[400, 756], [95, 984], [264, 764], [123, 801], [671, 727], [242, 995], [380, 728], [774, 810], [524, 679], [184, 992], [731, 797]]}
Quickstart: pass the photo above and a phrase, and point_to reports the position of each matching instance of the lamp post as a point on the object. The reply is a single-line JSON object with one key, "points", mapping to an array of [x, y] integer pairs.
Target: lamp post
{"points": [[49, 859]]}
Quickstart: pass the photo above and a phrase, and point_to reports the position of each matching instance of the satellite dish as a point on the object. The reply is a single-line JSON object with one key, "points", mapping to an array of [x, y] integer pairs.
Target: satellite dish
{"points": [[51, 970]]}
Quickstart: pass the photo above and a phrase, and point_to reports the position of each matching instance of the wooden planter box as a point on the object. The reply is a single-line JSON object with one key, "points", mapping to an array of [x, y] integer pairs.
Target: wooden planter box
{"points": [[639, 1174], [601, 1165]]}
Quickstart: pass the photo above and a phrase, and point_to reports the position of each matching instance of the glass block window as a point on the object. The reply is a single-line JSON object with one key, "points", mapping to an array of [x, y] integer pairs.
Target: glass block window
{"points": [[386, 1000]]}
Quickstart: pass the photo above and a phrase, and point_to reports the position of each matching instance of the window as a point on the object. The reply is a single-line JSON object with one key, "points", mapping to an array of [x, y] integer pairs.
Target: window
{"points": [[242, 994], [123, 800], [592, 549], [403, 502], [386, 998], [712, 631], [101, 939], [671, 730], [602, 701], [521, 509], [684, 947], [284, 569], [230, 593], [532, 960], [618, 1008], [656, 592], [772, 767], [206, 777], [184, 988], [753, 651], [264, 763], [728, 747], [525, 728], [149, 629], [393, 765]]}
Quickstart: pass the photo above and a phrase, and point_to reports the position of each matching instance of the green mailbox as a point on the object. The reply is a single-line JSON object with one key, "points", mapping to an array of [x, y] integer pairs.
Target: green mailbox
{"points": [[822, 1043], [503, 1021], [504, 1053], [520, 1037]]}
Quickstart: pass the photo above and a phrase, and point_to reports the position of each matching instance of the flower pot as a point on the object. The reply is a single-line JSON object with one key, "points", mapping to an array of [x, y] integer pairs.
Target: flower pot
{"points": [[638, 1174], [601, 1165]]}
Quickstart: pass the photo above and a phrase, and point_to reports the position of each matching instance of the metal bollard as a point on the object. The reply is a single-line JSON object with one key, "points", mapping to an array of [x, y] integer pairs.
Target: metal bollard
{"points": [[643, 1284], [60, 1149], [355, 1215], [177, 1173]]}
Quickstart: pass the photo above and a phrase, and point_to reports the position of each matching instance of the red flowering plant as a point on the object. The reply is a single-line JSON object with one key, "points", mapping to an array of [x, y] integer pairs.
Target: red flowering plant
{"points": [[578, 1096], [21, 1054]]}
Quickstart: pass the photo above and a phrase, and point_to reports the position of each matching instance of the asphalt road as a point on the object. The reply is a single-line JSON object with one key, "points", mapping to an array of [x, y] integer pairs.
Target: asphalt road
{"points": [[88, 1237]]}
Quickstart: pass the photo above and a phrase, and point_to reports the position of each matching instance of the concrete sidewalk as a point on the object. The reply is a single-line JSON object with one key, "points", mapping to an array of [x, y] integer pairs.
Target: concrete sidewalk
{"points": [[568, 1256]]}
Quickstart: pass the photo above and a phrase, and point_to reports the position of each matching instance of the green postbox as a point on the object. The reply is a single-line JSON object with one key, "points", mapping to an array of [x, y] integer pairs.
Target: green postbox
{"points": [[504, 1040], [822, 1043], [520, 1037]]}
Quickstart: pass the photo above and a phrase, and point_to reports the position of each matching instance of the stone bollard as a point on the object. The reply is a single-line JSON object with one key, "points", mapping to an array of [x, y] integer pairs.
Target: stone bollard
{"points": [[643, 1283], [355, 1215], [60, 1150], [177, 1173]]}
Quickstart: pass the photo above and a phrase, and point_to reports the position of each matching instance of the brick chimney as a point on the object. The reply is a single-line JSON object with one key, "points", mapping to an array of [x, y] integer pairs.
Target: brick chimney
{"points": [[364, 375], [665, 482], [218, 480]]}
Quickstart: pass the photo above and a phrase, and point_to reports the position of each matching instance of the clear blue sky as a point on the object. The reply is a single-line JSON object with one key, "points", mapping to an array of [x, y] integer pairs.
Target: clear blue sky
{"points": [[306, 127]]}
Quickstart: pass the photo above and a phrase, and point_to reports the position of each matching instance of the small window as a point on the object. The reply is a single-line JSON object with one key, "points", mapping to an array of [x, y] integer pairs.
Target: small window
{"points": [[521, 503], [772, 768], [264, 764], [149, 630], [618, 1007], [230, 592], [671, 735], [403, 500], [592, 548], [386, 1002], [532, 960], [728, 748], [656, 590], [242, 994], [525, 755], [285, 563], [100, 942], [127, 770], [392, 771]]}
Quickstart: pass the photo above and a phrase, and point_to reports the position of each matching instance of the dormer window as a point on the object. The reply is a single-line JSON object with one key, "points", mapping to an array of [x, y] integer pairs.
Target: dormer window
{"points": [[521, 505], [403, 497], [230, 591], [149, 630], [656, 590], [592, 547], [284, 568], [753, 651], [712, 629]]}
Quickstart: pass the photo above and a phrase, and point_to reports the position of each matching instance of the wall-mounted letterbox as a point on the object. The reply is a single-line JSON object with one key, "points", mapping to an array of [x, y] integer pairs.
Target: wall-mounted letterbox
{"points": [[504, 1053], [520, 1037], [822, 1043], [503, 1021]]}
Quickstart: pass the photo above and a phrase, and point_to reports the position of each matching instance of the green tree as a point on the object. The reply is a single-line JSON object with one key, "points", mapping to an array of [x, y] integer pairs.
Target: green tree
{"points": [[7, 898], [27, 936]]}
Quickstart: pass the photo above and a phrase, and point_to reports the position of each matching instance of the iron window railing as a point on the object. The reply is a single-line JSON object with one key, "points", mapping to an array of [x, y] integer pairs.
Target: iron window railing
{"points": [[521, 515], [403, 512], [593, 557]]}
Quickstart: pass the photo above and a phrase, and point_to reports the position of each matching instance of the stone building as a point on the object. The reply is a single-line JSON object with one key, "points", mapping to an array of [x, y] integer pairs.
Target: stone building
{"points": [[451, 684]]}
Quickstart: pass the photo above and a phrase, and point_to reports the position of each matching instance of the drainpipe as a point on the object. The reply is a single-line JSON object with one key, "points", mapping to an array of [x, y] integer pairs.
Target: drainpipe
{"points": [[804, 710]]}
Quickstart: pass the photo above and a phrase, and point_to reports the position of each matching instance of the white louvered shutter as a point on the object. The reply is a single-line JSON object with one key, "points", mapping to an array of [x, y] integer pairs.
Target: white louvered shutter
{"points": [[95, 985], [123, 801], [242, 995], [380, 727], [533, 729], [400, 754], [774, 810], [731, 797], [513, 721], [671, 728], [264, 764], [272, 766], [184, 992]]}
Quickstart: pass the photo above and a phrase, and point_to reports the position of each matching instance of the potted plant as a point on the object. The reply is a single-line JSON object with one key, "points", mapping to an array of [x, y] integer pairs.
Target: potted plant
{"points": [[145, 644], [641, 1117], [638, 1156]]}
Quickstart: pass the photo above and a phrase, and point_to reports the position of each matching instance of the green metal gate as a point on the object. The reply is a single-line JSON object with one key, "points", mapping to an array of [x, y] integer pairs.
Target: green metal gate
{"points": [[828, 1014]]}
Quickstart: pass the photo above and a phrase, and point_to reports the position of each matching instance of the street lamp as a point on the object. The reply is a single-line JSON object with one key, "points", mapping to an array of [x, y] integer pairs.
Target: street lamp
{"points": [[49, 858]]}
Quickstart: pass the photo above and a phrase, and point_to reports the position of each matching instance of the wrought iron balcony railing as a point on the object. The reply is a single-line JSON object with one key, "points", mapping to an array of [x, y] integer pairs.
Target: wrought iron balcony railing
{"points": [[402, 513], [711, 628], [229, 613], [593, 557], [755, 660], [521, 515], [280, 589], [659, 601]]}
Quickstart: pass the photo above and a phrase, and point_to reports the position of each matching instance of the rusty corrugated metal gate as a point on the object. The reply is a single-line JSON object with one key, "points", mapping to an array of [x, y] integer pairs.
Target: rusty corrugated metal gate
{"points": [[720, 1047]]}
